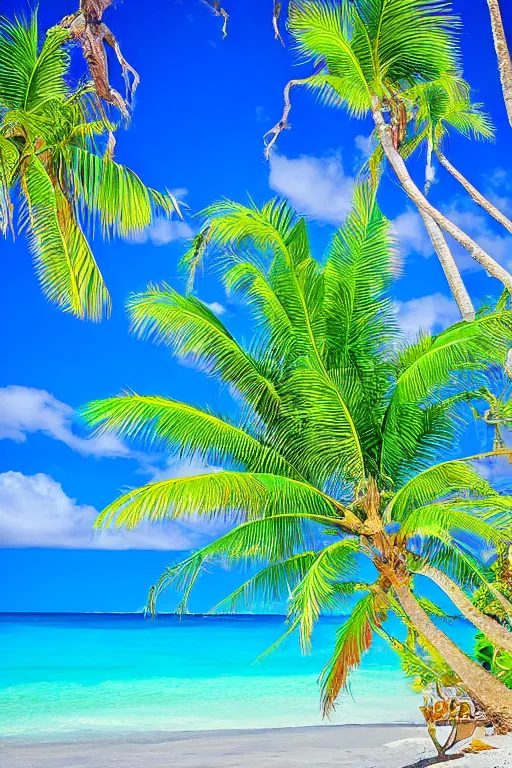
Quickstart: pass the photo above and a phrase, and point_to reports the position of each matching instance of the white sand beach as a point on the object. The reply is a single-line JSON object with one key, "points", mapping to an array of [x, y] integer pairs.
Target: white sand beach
{"points": [[380, 746]]}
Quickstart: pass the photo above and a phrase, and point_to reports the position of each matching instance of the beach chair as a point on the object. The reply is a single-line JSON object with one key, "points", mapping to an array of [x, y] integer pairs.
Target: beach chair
{"points": [[453, 708]]}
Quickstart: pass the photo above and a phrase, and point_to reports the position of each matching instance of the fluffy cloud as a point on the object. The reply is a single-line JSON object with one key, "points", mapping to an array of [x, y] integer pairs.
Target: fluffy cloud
{"points": [[316, 187], [24, 410], [162, 232], [217, 308], [365, 144], [477, 225], [36, 512], [497, 469], [428, 313], [179, 468], [411, 235]]}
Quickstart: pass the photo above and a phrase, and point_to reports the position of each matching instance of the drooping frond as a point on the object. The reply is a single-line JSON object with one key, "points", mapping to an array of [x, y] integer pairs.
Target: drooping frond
{"points": [[322, 33], [404, 33], [269, 539], [353, 640], [114, 196], [447, 519], [274, 583], [191, 329], [428, 371], [65, 265], [317, 590], [368, 48], [476, 345], [158, 422], [434, 483], [221, 495]]}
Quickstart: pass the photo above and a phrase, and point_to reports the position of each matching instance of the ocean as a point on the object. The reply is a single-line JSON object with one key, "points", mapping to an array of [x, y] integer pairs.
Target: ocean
{"points": [[108, 674]]}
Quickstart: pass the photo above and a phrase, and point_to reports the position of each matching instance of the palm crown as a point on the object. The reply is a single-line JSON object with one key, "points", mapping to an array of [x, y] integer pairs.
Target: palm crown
{"points": [[340, 426], [50, 136]]}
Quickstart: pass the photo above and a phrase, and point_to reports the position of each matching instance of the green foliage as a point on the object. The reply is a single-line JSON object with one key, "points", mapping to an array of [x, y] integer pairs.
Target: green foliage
{"points": [[373, 48], [55, 156], [323, 454], [496, 661]]}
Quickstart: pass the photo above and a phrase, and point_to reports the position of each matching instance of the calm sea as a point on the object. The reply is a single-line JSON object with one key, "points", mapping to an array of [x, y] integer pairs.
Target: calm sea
{"points": [[115, 673]]}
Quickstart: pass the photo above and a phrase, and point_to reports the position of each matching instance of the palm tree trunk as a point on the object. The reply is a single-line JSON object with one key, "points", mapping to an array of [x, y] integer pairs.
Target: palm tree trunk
{"points": [[419, 199], [502, 52], [492, 629], [477, 196], [493, 695], [450, 268]]}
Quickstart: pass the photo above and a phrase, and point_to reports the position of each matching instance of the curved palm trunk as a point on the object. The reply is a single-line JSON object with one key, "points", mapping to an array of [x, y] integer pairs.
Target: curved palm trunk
{"points": [[477, 196], [450, 268], [493, 695], [493, 630], [423, 205], [502, 52]]}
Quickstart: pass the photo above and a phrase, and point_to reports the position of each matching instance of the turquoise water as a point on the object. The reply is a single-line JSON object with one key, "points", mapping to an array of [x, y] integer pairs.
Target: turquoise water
{"points": [[97, 673]]}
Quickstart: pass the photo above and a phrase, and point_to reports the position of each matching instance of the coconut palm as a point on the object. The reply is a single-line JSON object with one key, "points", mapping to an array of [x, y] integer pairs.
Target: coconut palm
{"points": [[368, 62], [502, 52], [335, 452], [439, 111], [51, 163]]}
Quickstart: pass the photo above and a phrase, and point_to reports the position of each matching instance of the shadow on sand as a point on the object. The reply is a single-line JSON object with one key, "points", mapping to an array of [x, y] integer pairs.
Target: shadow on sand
{"points": [[434, 761]]}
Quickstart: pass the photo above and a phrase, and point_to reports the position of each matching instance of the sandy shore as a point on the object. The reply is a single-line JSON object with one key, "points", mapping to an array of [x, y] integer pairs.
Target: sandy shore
{"points": [[318, 747]]}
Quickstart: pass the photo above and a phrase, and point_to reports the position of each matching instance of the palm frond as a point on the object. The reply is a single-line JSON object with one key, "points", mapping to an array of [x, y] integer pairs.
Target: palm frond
{"points": [[191, 329], [353, 640], [317, 590], [228, 496], [269, 539], [114, 196], [437, 482], [158, 422]]}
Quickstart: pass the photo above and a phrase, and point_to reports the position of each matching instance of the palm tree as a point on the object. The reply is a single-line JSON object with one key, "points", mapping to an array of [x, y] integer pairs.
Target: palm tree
{"points": [[442, 109], [50, 161], [334, 455], [502, 52], [368, 62]]}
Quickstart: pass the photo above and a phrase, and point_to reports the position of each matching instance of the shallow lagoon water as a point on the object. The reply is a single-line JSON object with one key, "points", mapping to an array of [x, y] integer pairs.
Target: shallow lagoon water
{"points": [[115, 673]]}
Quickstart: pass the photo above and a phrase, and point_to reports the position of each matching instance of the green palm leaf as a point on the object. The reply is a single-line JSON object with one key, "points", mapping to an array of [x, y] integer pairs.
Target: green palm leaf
{"points": [[437, 482], [268, 539], [157, 422], [317, 591], [226, 495], [190, 328]]}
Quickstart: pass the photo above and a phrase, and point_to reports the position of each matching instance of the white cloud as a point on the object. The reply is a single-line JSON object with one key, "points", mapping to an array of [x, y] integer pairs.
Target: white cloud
{"points": [[217, 308], [163, 232], [24, 410], [179, 193], [477, 225], [428, 313], [411, 235], [262, 114], [365, 144], [316, 187], [179, 468], [496, 469], [36, 512]]}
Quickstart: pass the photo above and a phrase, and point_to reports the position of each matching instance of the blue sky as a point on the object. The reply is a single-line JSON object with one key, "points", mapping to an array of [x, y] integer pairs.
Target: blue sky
{"points": [[202, 108]]}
